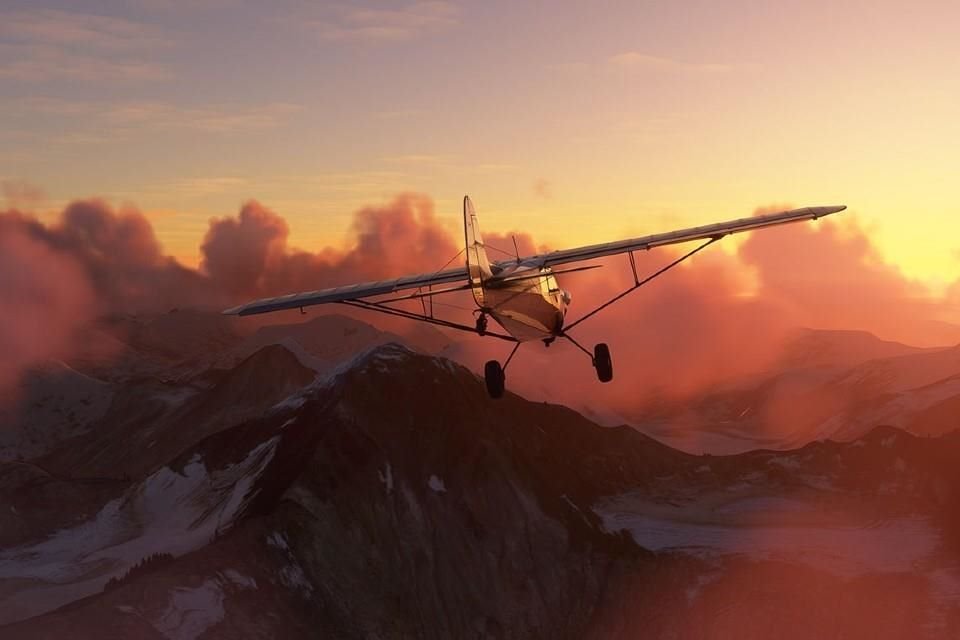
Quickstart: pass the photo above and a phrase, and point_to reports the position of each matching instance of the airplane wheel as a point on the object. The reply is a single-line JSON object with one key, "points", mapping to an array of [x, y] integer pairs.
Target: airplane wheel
{"points": [[602, 362], [494, 377]]}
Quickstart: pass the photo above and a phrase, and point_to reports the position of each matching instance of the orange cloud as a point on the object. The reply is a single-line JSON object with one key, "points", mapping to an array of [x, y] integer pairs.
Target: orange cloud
{"points": [[249, 256], [45, 295], [680, 334], [830, 275]]}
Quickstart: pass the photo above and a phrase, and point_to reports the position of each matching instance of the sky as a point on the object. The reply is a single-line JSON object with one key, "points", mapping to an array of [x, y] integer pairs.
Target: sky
{"points": [[576, 122]]}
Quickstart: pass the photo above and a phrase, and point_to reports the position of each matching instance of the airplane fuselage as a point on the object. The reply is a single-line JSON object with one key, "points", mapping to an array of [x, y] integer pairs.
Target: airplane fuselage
{"points": [[527, 302]]}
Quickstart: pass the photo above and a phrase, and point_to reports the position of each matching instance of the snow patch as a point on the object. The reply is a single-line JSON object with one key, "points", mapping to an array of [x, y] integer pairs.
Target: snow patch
{"points": [[278, 541], [898, 544], [191, 611], [240, 580], [785, 462], [693, 591], [169, 512], [574, 506], [293, 402], [292, 575], [386, 477], [437, 484]]}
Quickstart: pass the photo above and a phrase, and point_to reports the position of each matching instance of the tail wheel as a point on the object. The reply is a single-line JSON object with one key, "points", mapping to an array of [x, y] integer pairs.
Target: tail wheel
{"points": [[495, 378], [602, 362], [482, 324]]}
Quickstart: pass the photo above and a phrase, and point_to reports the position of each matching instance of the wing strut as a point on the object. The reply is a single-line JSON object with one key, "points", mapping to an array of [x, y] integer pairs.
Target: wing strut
{"points": [[637, 282], [403, 313]]}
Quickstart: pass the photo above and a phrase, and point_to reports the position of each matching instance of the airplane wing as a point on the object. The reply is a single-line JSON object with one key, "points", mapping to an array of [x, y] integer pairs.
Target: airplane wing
{"points": [[353, 292], [676, 237]]}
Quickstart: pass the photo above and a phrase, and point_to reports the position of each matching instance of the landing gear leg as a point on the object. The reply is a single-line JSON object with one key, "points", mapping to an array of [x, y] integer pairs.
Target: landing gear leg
{"points": [[600, 358], [495, 375]]}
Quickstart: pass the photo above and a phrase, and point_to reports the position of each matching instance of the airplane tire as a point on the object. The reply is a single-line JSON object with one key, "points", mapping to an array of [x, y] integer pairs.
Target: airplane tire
{"points": [[602, 362], [495, 378]]}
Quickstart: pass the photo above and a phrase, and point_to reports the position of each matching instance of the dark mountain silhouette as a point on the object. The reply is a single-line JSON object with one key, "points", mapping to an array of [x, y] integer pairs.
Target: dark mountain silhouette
{"points": [[387, 496]]}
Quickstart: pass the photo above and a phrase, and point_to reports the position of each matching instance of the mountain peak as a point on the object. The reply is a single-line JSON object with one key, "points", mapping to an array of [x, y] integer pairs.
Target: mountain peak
{"points": [[886, 433], [392, 357], [838, 348]]}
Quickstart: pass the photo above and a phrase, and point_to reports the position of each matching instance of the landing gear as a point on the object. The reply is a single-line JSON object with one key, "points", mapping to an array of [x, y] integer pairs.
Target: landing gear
{"points": [[495, 378], [602, 362], [482, 324], [600, 358]]}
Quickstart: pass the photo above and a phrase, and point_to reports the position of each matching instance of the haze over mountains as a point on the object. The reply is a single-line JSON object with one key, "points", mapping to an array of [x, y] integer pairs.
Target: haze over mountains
{"points": [[826, 384], [183, 478]]}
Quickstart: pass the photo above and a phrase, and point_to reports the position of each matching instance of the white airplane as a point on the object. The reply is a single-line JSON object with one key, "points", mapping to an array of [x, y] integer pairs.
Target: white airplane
{"points": [[521, 294]]}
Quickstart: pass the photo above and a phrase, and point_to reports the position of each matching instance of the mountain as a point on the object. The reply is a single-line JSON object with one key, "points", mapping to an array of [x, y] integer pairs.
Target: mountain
{"points": [[151, 422], [172, 344], [837, 349], [825, 384], [136, 379], [53, 403], [331, 465], [388, 496], [325, 340]]}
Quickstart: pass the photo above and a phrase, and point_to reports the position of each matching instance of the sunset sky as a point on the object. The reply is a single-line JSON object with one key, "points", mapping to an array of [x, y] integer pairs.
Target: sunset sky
{"points": [[578, 122]]}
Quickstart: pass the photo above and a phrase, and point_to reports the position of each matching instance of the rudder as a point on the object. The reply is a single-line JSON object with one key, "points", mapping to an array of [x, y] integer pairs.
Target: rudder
{"points": [[478, 266]]}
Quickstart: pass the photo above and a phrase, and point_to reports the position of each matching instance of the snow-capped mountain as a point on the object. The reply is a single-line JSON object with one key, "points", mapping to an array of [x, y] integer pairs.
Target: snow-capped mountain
{"points": [[826, 385], [380, 493]]}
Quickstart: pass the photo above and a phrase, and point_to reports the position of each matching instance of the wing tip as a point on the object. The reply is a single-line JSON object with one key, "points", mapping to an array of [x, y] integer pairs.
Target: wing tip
{"points": [[819, 212]]}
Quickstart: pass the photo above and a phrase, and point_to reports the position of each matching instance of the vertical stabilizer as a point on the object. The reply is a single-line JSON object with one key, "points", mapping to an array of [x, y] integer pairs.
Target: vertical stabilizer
{"points": [[478, 266]]}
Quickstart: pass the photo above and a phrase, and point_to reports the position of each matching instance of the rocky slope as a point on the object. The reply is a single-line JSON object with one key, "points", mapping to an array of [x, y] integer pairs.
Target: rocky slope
{"points": [[387, 496]]}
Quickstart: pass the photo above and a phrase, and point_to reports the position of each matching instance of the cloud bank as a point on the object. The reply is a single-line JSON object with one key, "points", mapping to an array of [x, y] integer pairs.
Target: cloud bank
{"points": [[687, 330], [46, 298]]}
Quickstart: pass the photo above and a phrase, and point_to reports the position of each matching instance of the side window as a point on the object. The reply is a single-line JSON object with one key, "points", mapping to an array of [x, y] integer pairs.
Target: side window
{"points": [[552, 284]]}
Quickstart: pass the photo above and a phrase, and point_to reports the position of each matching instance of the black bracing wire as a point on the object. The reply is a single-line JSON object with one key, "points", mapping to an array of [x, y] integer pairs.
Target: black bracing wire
{"points": [[454, 306], [510, 357], [639, 283], [423, 303], [506, 253], [447, 264], [402, 313]]}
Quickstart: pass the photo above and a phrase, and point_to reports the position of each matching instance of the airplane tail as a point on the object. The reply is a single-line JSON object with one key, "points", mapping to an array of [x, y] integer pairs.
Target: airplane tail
{"points": [[478, 266]]}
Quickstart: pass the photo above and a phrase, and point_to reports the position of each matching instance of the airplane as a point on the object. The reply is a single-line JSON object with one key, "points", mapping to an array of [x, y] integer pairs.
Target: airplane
{"points": [[521, 294]]}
